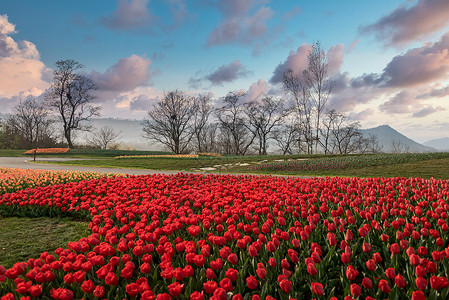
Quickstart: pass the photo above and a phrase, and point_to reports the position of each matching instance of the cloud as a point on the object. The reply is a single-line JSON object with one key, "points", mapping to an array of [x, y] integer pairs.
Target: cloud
{"points": [[178, 9], [129, 15], [427, 111], [224, 73], [419, 65], [296, 10], [127, 74], [257, 90], [141, 103], [21, 71], [238, 25], [227, 73], [438, 93], [297, 61], [399, 103], [362, 115], [407, 24]]}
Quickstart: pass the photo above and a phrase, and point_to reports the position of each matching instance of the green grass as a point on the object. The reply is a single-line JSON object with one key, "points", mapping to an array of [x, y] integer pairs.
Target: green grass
{"points": [[97, 153], [425, 165], [436, 168], [170, 164], [11, 153], [23, 238]]}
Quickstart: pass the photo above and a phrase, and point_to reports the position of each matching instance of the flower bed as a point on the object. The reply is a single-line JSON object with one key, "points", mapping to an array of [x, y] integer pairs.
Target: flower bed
{"points": [[346, 162], [12, 180], [174, 156], [47, 151], [209, 154], [242, 237]]}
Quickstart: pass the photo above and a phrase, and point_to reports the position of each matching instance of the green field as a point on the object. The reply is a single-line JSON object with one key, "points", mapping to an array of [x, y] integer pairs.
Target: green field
{"points": [[425, 165], [22, 238]]}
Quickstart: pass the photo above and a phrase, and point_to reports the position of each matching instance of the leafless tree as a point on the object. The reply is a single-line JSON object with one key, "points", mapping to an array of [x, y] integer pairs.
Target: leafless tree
{"points": [[397, 146], [372, 144], [203, 103], [346, 137], [319, 83], [310, 91], [103, 138], [233, 124], [286, 136], [263, 116], [71, 97], [329, 124], [30, 125], [296, 86], [170, 121]]}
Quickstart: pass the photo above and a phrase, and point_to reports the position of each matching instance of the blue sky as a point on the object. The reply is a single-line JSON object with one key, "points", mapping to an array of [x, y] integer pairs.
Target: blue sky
{"points": [[389, 59]]}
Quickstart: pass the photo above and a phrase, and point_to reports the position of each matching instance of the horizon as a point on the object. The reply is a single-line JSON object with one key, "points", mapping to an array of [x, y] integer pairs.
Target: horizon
{"points": [[389, 59]]}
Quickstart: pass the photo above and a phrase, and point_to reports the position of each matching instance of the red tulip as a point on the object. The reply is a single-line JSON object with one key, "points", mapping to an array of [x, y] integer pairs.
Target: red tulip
{"points": [[317, 289], [286, 286], [370, 264], [438, 283], [399, 281], [356, 290], [311, 269], [421, 283], [390, 273], [210, 287], [367, 283], [252, 282], [418, 295], [175, 289], [384, 287]]}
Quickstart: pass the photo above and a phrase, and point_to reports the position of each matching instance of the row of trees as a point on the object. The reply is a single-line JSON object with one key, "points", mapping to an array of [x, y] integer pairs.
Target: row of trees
{"points": [[184, 123], [70, 99], [299, 124]]}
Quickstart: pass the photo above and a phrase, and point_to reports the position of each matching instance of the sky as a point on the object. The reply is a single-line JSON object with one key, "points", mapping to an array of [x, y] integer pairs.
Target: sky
{"points": [[389, 59]]}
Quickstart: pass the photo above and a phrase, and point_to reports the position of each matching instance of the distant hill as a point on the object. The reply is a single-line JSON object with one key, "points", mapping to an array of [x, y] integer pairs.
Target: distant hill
{"points": [[439, 144], [390, 139]]}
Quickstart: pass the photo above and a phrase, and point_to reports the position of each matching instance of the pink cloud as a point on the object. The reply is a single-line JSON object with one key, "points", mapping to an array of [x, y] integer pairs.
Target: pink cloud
{"points": [[419, 65], [438, 93], [399, 103], [407, 24], [21, 71], [127, 74], [297, 61], [362, 115], [238, 25], [129, 14], [424, 112], [257, 90]]}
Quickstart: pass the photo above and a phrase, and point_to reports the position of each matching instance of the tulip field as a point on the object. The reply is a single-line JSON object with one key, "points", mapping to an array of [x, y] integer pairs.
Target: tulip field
{"points": [[189, 236]]}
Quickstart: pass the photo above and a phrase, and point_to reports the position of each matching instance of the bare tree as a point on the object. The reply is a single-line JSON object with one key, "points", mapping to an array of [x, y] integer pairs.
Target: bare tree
{"points": [[103, 137], [372, 144], [286, 136], [170, 121], [319, 83], [331, 119], [296, 86], [346, 137], [71, 97], [310, 91], [233, 124], [397, 146], [29, 125], [263, 117], [203, 103]]}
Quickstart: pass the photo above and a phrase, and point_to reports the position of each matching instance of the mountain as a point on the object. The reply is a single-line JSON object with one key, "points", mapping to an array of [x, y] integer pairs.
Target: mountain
{"points": [[392, 141], [439, 144]]}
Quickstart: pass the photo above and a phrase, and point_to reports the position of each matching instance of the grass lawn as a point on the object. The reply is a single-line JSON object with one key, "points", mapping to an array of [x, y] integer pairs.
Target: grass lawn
{"points": [[436, 168], [11, 153], [23, 238]]}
